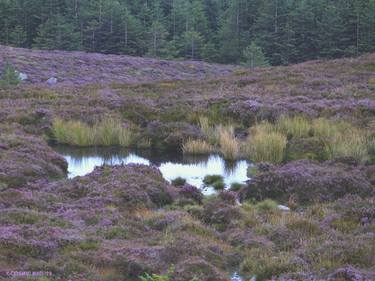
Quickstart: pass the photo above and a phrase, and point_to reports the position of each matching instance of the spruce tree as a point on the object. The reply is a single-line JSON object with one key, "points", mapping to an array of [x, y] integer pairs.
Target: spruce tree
{"points": [[254, 56]]}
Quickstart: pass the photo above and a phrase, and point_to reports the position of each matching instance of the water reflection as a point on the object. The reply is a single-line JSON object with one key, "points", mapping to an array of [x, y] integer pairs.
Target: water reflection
{"points": [[172, 165]]}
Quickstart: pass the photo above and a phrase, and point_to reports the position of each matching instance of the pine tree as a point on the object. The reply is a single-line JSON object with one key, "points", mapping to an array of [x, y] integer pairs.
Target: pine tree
{"points": [[254, 56], [193, 41], [58, 34], [9, 75], [157, 35], [17, 36]]}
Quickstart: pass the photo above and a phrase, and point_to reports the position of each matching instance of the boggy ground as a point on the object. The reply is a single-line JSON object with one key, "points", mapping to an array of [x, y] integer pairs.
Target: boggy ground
{"points": [[120, 222]]}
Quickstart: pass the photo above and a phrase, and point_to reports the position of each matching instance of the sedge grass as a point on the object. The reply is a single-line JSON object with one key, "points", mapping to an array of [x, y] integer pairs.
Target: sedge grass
{"points": [[197, 147], [266, 146], [229, 145], [108, 132]]}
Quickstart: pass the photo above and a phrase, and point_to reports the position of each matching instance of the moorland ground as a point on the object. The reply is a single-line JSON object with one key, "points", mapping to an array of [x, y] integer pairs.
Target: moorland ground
{"points": [[309, 128]]}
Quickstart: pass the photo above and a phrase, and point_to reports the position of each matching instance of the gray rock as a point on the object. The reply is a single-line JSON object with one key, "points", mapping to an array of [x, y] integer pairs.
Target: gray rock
{"points": [[22, 76], [283, 208], [52, 81]]}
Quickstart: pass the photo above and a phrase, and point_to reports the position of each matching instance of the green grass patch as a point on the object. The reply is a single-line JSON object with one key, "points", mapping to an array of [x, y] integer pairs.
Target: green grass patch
{"points": [[108, 132]]}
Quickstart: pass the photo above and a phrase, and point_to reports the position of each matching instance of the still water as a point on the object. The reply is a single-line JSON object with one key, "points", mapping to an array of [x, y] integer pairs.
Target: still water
{"points": [[82, 161]]}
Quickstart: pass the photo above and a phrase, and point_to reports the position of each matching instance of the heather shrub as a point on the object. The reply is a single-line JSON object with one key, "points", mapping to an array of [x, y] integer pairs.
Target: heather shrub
{"points": [[297, 126], [265, 265], [264, 145], [306, 181], [304, 227], [197, 147], [163, 277]]}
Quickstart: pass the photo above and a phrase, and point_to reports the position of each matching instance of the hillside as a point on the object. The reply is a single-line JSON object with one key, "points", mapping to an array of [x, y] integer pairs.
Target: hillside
{"points": [[83, 68]]}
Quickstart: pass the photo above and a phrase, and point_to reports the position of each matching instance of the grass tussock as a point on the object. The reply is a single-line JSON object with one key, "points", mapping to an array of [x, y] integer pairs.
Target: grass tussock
{"points": [[209, 131], [296, 126], [265, 145], [197, 147], [108, 132], [268, 142], [229, 145], [353, 143]]}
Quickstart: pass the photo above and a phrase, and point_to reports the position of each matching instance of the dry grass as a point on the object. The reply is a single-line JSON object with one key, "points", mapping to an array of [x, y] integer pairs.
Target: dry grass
{"points": [[264, 145], [197, 147], [229, 145], [108, 132], [352, 142], [297, 126], [209, 131]]}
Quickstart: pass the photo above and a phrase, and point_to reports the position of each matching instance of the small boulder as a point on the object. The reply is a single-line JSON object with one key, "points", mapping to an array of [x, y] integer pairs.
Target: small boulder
{"points": [[22, 76], [283, 208], [52, 81]]}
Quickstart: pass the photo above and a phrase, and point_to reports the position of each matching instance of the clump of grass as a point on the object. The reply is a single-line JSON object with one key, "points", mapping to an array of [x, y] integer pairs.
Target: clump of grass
{"points": [[179, 181], [252, 171], [353, 143], [266, 265], [211, 179], [296, 126], [236, 186], [229, 145], [209, 131], [197, 147], [266, 146], [216, 181], [267, 205], [107, 132], [73, 133], [323, 128], [218, 185]]}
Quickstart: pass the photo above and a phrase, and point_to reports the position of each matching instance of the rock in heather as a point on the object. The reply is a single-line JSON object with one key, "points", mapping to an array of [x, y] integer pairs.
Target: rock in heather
{"points": [[52, 81]]}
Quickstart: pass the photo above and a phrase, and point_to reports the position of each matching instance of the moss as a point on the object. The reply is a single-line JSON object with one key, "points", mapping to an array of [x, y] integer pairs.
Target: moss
{"points": [[218, 185], [211, 179], [252, 171], [236, 186], [266, 206], [92, 220], [89, 245], [179, 181], [22, 217], [174, 114], [116, 232]]}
